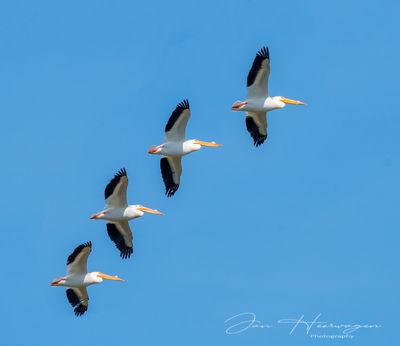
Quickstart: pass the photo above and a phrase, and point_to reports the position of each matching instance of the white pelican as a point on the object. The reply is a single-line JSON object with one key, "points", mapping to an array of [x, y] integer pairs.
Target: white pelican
{"points": [[258, 102], [176, 146], [118, 212], [78, 278]]}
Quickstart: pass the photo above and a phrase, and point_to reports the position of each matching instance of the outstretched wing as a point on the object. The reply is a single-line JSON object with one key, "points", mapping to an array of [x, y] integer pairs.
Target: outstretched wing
{"points": [[79, 299], [256, 123], [171, 170], [257, 79], [115, 192], [175, 130], [120, 233], [77, 260]]}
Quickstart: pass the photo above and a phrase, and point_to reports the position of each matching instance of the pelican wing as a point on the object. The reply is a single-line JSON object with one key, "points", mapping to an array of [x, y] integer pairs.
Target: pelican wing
{"points": [[79, 299], [120, 233], [171, 170], [256, 123], [115, 192], [77, 260], [175, 130], [257, 79]]}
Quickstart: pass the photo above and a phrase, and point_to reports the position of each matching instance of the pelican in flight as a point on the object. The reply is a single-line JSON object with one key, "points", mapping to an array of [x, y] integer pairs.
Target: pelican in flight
{"points": [[117, 212], [77, 278], [176, 146], [258, 102]]}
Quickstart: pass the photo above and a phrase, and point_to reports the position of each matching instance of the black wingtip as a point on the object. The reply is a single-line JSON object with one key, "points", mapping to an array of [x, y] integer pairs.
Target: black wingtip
{"points": [[77, 304], [260, 140], [121, 173], [170, 191], [263, 53], [180, 107], [252, 128], [184, 104], [80, 310], [114, 181], [119, 241], [126, 253], [170, 186], [77, 250]]}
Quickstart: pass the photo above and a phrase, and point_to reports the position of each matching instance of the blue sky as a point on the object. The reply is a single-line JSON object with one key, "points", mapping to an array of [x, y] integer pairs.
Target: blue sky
{"points": [[307, 224]]}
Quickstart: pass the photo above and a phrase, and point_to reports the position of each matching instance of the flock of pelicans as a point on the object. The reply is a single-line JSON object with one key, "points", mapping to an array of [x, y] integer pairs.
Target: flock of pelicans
{"points": [[117, 212]]}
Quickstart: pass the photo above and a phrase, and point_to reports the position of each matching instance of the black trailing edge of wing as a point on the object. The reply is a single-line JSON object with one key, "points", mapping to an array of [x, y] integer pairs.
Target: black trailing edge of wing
{"points": [[76, 303], [114, 182], [77, 251], [262, 54], [254, 132], [168, 177], [176, 113], [118, 239]]}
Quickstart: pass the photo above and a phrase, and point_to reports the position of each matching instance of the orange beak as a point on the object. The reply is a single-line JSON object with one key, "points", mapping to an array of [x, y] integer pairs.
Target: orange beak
{"points": [[109, 277], [291, 102], [149, 210], [206, 144]]}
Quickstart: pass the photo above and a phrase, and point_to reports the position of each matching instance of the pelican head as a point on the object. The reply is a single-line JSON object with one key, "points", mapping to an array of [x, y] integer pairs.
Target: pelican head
{"points": [[156, 149], [238, 105], [282, 101]]}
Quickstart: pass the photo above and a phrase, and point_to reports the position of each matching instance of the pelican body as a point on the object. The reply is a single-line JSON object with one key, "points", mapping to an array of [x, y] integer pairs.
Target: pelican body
{"points": [[77, 278], [118, 213], [123, 213], [80, 280], [176, 146], [178, 149], [258, 101], [264, 104]]}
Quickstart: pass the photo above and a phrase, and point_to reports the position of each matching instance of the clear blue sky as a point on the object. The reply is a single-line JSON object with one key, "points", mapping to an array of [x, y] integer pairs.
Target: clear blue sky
{"points": [[306, 224]]}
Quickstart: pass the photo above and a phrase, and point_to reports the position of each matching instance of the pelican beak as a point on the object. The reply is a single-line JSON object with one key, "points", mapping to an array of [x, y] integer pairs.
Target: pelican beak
{"points": [[206, 144], [109, 277], [291, 102], [98, 215], [149, 210]]}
